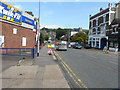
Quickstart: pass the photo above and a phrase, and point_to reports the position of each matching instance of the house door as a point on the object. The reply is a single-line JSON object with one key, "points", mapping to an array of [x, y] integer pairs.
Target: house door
{"points": [[103, 43]]}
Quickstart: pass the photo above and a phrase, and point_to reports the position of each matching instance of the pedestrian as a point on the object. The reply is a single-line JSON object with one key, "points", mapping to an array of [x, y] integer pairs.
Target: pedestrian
{"points": [[116, 49], [105, 49]]}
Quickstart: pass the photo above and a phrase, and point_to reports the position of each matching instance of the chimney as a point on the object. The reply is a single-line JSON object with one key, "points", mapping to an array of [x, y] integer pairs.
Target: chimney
{"points": [[30, 13], [117, 4], [110, 5], [101, 9], [90, 15]]}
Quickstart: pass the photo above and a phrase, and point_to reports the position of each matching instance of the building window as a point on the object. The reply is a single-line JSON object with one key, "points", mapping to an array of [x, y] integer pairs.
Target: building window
{"points": [[113, 29], [96, 30], [96, 21], [100, 20], [104, 19], [90, 25], [107, 17], [14, 30], [24, 41]]}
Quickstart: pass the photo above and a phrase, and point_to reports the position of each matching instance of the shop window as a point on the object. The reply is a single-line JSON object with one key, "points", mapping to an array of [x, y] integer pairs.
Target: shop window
{"points": [[116, 44], [97, 43], [14, 30], [24, 41], [111, 44]]}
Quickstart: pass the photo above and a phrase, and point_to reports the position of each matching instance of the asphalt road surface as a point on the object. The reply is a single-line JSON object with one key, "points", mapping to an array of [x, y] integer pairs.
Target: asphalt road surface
{"points": [[94, 68]]}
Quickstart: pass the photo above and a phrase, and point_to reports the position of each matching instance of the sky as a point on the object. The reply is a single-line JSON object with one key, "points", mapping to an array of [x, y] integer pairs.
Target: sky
{"points": [[62, 14]]}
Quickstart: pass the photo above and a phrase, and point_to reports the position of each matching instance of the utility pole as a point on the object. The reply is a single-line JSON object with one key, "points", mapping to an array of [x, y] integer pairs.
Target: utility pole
{"points": [[38, 51]]}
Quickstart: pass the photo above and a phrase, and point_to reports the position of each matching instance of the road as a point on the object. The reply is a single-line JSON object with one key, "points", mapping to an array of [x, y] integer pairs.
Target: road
{"points": [[95, 69]]}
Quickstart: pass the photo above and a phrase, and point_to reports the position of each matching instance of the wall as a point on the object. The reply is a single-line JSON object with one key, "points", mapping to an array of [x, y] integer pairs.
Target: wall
{"points": [[15, 40]]}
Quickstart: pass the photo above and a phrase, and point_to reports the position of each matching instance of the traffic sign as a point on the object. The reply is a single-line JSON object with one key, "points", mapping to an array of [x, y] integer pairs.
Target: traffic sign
{"points": [[50, 51]]}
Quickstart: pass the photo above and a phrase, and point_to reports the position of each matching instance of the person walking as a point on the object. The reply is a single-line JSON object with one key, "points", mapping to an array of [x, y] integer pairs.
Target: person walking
{"points": [[116, 49]]}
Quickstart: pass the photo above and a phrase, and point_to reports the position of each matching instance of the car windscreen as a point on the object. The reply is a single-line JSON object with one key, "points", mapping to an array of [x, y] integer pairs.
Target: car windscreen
{"points": [[77, 44], [62, 44]]}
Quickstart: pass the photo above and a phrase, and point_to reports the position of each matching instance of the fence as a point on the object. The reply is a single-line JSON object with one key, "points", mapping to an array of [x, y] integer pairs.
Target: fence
{"points": [[26, 52]]}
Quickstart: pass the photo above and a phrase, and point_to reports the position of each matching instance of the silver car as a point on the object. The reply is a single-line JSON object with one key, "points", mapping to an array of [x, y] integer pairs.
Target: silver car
{"points": [[61, 46]]}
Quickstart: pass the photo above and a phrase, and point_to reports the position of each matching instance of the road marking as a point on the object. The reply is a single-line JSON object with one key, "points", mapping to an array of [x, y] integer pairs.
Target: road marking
{"points": [[65, 65]]}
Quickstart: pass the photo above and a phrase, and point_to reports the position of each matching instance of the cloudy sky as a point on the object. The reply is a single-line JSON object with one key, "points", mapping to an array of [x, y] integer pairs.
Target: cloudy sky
{"points": [[69, 14]]}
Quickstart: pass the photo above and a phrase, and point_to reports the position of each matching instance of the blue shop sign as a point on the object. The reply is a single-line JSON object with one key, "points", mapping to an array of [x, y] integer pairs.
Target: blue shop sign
{"points": [[34, 26], [10, 13], [27, 20]]}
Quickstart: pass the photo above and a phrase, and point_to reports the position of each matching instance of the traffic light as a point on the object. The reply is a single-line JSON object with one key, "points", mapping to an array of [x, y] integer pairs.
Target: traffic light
{"points": [[83, 41]]}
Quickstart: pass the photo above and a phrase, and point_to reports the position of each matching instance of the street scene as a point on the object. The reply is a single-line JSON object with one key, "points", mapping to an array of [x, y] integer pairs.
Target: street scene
{"points": [[59, 45]]}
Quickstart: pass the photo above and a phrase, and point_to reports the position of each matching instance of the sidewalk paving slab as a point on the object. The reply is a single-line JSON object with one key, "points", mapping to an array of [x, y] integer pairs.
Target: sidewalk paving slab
{"points": [[40, 72]]}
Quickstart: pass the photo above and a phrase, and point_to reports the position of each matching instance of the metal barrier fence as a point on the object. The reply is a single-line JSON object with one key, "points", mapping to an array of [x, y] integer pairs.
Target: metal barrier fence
{"points": [[26, 52]]}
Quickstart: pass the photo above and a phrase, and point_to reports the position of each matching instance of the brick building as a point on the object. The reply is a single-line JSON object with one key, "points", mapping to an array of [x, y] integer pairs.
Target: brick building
{"points": [[18, 28]]}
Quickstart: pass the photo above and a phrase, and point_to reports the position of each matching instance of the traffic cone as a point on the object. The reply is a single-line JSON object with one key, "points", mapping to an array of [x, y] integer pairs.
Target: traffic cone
{"points": [[107, 51]]}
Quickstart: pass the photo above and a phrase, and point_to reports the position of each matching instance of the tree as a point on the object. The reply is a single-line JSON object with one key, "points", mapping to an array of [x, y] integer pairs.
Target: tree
{"points": [[79, 37], [41, 38], [46, 37]]}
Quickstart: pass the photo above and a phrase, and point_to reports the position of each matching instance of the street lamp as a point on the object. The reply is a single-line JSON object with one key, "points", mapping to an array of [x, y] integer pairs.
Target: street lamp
{"points": [[38, 51]]}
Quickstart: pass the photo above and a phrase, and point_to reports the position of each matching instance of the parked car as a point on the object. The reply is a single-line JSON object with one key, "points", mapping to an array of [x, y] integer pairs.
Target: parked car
{"points": [[72, 43], [62, 46], [87, 46], [77, 46], [69, 46]]}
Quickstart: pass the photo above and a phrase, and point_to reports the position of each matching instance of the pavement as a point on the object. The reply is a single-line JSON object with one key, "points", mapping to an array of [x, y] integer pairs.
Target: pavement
{"points": [[40, 72], [8, 61], [92, 68], [101, 51]]}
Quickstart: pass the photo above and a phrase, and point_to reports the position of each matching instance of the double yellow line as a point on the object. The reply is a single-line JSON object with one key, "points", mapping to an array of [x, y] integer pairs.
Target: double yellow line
{"points": [[70, 71]]}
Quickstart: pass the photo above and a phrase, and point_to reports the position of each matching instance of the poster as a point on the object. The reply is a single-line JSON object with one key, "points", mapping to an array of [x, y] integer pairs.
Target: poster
{"points": [[1, 41]]}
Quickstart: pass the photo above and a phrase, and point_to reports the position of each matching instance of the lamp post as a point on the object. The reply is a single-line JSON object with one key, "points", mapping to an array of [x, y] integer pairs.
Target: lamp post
{"points": [[38, 32]]}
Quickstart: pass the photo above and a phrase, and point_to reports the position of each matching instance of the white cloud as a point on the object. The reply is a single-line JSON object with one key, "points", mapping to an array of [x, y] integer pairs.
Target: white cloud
{"points": [[50, 26]]}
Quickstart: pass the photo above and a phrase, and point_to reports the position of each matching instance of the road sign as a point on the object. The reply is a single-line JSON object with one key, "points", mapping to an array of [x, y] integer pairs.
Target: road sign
{"points": [[50, 51]]}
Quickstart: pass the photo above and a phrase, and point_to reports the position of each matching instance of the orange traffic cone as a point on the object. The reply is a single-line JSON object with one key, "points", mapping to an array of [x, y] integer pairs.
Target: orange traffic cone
{"points": [[107, 51]]}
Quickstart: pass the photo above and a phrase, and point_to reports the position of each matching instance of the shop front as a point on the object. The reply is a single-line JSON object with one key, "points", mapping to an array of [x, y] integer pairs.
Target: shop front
{"points": [[113, 42]]}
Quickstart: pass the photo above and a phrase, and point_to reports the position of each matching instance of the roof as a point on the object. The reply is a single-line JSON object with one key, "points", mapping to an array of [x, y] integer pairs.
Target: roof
{"points": [[100, 13]]}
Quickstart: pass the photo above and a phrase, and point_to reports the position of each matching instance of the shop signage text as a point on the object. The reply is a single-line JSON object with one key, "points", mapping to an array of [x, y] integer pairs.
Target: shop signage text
{"points": [[10, 13], [27, 20]]}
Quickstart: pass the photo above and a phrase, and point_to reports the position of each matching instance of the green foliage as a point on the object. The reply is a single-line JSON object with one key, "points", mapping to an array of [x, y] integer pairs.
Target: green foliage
{"points": [[79, 37], [46, 37], [60, 32], [41, 38]]}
